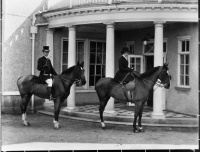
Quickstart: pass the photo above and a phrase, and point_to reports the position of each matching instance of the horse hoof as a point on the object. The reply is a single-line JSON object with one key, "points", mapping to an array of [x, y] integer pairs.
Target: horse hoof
{"points": [[103, 126], [56, 127], [26, 123], [135, 130], [141, 129]]}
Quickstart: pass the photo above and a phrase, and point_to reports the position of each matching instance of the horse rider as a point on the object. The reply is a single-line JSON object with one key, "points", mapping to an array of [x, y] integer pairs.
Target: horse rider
{"points": [[46, 70], [125, 74]]}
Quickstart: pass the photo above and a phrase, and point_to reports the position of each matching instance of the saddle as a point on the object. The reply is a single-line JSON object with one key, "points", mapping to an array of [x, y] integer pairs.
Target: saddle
{"points": [[41, 79], [128, 90], [128, 87]]}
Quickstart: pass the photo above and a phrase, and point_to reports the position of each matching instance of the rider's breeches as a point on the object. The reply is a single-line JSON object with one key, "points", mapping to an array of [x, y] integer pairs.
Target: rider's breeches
{"points": [[49, 82]]}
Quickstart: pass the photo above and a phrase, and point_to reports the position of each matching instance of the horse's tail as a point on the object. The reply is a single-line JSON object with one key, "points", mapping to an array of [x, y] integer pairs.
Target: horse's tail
{"points": [[18, 80]]}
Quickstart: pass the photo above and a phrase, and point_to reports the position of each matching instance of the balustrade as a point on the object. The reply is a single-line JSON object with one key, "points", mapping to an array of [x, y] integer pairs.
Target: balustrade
{"points": [[58, 4]]}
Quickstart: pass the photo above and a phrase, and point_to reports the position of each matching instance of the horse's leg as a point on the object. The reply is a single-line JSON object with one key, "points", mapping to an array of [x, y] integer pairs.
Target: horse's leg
{"points": [[57, 107], [23, 106], [102, 106], [140, 118], [137, 109]]}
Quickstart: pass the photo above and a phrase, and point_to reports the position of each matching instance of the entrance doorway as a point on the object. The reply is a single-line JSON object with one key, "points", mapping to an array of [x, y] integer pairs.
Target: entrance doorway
{"points": [[136, 63], [149, 64]]}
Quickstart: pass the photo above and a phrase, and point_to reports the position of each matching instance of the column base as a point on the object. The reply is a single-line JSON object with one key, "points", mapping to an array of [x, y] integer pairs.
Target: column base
{"points": [[110, 113], [70, 109], [158, 116], [48, 103]]}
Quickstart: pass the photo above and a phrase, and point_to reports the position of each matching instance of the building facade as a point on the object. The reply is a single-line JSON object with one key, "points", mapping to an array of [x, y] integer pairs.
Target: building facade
{"points": [[94, 31]]}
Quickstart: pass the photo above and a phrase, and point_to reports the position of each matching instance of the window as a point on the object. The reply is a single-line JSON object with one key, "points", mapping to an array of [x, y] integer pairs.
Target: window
{"points": [[97, 61], [79, 53], [136, 62], [65, 55], [184, 61]]}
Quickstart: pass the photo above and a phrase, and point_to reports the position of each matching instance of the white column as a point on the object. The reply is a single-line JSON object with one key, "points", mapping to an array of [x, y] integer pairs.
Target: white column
{"points": [[49, 42], [158, 61], [71, 62], [110, 62]]}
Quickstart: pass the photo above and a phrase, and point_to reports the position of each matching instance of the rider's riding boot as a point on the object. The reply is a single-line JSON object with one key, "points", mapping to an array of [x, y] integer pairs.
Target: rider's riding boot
{"points": [[51, 96]]}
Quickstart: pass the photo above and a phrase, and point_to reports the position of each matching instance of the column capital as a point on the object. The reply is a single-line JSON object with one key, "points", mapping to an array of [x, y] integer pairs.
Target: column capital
{"points": [[71, 26], [159, 22], [50, 30], [109, 24]]}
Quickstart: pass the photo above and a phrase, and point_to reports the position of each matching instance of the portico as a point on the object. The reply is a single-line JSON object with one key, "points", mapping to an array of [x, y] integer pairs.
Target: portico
{"points": [[115, 21]]}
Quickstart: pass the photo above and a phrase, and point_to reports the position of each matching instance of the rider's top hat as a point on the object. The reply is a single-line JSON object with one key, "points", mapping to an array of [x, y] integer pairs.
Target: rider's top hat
{"points": [[45, 48]]}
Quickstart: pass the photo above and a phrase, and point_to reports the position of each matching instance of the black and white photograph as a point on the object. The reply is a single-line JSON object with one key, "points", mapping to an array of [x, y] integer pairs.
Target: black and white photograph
{"points": [[99, 75]]}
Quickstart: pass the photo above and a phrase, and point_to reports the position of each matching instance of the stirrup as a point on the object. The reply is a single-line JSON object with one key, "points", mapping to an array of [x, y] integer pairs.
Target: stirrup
{"points": [[51, 98]]}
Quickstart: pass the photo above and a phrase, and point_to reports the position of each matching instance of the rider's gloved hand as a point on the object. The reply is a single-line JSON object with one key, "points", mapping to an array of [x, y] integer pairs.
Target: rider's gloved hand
{"points": [[136, 73]]}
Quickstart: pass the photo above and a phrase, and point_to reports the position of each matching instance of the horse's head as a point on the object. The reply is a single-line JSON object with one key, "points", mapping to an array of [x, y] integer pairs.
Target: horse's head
{"points": [[79, 74], [164, 76]]}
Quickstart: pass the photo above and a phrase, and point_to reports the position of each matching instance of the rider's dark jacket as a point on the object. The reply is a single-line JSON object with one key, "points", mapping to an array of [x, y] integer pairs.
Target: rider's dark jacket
{"points": [[123, 70], [45, 67]]}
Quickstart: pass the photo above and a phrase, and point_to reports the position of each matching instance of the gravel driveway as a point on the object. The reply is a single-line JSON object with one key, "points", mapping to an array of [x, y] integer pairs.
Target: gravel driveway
{"points": [[74, 131]]}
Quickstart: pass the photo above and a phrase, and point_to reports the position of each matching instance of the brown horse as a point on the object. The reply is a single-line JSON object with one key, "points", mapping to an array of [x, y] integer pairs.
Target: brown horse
{"points": [[108, 87], [28, 85]]}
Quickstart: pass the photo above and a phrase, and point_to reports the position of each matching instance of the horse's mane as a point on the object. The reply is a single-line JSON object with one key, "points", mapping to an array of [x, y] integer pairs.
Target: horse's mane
{"points": [[68, 70], [149, 72]]}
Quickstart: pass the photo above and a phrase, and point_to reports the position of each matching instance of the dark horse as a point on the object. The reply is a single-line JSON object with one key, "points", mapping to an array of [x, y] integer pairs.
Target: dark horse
{"points": [[108, 87], [28, 85]]}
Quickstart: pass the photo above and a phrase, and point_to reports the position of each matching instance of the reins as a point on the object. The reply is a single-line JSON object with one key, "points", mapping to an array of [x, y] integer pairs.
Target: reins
{"points": [[124, 78], [157, 83], [69, 80]]}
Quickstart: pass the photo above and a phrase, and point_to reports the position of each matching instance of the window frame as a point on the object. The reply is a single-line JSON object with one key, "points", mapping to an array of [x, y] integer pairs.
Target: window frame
{"points": [[88, 58], [180, 40], [84, 58], [128, 44]]}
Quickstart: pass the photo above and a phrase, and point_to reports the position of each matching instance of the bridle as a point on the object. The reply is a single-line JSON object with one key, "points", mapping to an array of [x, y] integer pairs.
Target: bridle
{"points": [[71, 81], [158, 83]]}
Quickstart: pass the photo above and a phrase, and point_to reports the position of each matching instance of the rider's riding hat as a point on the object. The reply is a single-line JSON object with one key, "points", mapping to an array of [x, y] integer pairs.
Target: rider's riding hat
{"points": [[124, 50], [45, 48]]}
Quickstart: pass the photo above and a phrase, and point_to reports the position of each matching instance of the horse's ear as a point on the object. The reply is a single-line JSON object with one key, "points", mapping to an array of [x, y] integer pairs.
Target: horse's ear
{"points": [[78, 63], [82, 64], [165, 66]]}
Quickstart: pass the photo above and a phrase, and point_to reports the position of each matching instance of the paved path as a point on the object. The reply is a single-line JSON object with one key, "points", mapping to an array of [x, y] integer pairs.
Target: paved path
{"points": [[124, 115], [123, 110]]}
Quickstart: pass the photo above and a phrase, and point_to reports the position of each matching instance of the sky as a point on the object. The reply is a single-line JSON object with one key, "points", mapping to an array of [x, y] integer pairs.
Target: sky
{"points": [[15, 12]]}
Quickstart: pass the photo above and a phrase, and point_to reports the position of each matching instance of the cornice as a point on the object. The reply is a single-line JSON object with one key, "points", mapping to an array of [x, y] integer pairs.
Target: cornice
{"points": [[120, 9]]}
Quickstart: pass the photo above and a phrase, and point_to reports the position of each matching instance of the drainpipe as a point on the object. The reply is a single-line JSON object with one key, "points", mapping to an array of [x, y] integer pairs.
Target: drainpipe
{"points": [[33, 31], [1, 53]]}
